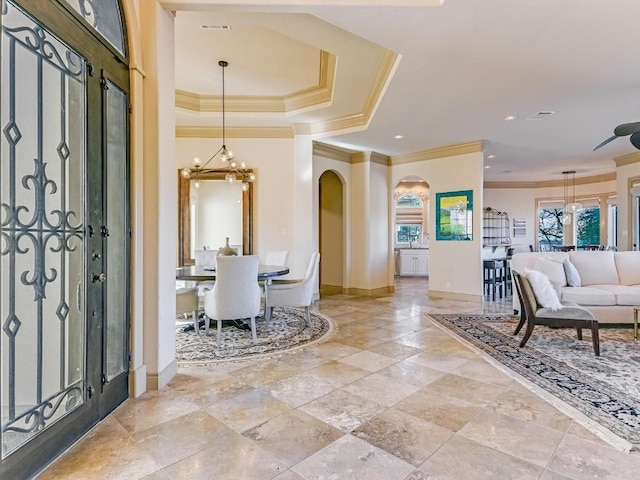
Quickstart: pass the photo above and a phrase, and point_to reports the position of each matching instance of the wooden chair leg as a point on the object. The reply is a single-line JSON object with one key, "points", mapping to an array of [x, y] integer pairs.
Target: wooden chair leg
{"points": [[595, 335], [527, 333], [579, 330], [308, 315], [523, 318], [219, 331]]}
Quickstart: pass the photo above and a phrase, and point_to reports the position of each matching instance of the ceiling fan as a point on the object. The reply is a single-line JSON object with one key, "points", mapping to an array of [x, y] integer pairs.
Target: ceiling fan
{"points": [[623, 130]]}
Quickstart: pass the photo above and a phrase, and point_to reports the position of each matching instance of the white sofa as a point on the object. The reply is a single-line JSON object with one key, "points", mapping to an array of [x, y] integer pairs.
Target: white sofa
{"points": [[609, 281]]}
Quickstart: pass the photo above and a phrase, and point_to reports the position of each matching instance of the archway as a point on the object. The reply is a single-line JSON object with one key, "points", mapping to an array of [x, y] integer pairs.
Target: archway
{"points": [[411, 230], [331, 232]]}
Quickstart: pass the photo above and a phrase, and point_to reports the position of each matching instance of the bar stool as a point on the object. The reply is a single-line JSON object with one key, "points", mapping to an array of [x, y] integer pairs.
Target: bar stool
{"points": [[494, 277]]}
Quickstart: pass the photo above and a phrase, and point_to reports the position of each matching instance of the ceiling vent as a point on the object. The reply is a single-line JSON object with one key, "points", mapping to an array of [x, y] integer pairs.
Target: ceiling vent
{"points": [[215, 27], [541, 115]]}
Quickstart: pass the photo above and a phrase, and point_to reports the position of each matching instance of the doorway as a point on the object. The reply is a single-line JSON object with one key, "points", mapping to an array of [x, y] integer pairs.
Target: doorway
{"points": [[331, 229], [64, 226]]}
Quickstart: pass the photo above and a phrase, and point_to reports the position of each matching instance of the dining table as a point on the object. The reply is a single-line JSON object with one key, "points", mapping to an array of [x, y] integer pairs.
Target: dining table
{"points": [[201, 273]]}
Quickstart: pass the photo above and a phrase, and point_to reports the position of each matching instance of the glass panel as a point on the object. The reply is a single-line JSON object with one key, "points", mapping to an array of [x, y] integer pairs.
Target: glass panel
{"points": [[116, 219], [409, 200], [105, 17], [41, 229], [408, 233], [588, 226], [550, 227]]}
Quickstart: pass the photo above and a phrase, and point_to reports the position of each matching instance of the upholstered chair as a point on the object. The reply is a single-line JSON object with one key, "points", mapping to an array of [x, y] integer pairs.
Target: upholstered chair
{"points": [[187, 304], [293, 293], [205, 258], [235, 294]]}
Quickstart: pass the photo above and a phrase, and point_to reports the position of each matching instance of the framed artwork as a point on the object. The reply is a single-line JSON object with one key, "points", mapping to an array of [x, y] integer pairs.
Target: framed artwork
{"points": [[519, 227], [454, 215]]}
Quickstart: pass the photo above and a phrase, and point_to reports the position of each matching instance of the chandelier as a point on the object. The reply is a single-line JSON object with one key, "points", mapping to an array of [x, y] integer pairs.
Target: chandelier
{"points": [[569, 206], [236, 171]]}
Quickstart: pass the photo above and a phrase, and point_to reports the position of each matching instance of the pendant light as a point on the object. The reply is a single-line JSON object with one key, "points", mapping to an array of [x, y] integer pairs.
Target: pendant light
{"points": [[573, 206], [236, 171]]}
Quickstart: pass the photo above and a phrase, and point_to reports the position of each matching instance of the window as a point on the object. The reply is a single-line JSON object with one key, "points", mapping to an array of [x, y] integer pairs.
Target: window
{"points": [[550, 228], [406, 233], [409, 200], [588, 226]]}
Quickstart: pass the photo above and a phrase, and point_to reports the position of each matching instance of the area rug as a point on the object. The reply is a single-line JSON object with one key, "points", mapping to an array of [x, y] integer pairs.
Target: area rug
{"points": [[285, 332], [602, 393]]}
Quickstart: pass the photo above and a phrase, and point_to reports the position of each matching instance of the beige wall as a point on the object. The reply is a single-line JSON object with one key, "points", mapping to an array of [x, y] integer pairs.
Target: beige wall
{"points": [[454, 266], [521, 203]]}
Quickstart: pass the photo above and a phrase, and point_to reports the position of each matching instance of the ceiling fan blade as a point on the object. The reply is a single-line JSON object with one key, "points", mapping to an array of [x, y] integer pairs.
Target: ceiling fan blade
{"points": [[635, 140], [610, 139], [627, 129]]}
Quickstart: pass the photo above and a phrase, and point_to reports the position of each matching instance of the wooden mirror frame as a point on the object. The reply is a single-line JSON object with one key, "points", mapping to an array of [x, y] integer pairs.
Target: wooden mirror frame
{"points": [[184, 219]]}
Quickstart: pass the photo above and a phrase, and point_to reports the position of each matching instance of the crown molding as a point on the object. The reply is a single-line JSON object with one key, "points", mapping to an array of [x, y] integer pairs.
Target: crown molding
{"points": [[331, 151], [317, 96], [380, 159], [605, 177], [360, 121], [235, 132], [627, 159], [441, 152]]}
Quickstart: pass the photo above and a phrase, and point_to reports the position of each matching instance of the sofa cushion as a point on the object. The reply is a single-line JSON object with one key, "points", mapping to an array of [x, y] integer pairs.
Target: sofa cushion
{"points": [[625, 294], [570, 271], [628, 264], [587, 295], [595, 267], [552, 269]]}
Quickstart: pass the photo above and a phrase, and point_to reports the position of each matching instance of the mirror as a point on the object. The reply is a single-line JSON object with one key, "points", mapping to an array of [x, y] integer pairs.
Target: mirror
{"points": [[189, 209]]}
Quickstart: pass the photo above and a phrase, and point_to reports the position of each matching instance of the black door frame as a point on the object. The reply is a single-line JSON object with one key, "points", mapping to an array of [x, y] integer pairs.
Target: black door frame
{"points": [[101, 398]]}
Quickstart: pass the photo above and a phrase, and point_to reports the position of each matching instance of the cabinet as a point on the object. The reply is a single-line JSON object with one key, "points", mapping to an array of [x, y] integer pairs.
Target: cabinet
{"points": [[495, 228], [414, 262]]}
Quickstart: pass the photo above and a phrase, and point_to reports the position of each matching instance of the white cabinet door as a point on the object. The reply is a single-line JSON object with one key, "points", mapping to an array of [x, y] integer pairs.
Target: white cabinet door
{"points": [[422, 264], [407, 264]]}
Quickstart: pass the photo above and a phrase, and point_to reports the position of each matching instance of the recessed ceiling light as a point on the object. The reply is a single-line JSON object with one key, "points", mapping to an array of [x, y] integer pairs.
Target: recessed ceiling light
{"points": [[487, 166], [491, 156], [398, 137], [510, 118]]}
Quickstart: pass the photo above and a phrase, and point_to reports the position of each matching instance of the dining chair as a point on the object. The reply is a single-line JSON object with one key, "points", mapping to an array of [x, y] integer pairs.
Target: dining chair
{"points": [[235, 294], [187, 304], [209, 258], [293, 293]]}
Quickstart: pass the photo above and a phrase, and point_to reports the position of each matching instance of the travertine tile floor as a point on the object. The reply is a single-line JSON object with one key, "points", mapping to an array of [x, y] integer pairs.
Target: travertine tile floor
{"points": [[389, 396]]}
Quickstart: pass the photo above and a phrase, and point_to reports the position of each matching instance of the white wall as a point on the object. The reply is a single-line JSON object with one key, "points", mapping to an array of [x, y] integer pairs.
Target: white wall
{"points": [[160, 195]]}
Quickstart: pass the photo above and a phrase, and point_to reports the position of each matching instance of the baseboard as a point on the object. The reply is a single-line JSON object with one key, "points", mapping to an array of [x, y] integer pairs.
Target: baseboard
{"points": [[365, 292], [335, 290], [155, 381], [137, 381], [455, 296]]}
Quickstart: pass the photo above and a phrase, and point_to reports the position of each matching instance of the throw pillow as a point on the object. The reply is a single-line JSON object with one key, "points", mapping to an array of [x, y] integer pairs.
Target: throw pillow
{"points": [[552, 269], [546, 295], [573, 277]]}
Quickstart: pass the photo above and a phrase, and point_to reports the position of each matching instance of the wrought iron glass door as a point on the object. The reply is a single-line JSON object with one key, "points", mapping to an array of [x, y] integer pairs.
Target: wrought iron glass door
{"points": [[64, 234]]}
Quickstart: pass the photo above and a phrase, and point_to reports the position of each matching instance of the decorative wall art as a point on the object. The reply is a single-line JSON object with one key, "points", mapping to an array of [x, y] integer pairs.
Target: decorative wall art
{"points": [[454, 215]]}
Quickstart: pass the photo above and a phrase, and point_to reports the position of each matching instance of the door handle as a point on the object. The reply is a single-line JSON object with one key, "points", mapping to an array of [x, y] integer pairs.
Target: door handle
{"points": [[101, 277]]}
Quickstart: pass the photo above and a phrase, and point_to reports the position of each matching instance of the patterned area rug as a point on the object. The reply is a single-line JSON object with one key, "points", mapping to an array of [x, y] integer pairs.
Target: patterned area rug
{"points": [[286, 331], [602, 393]]}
